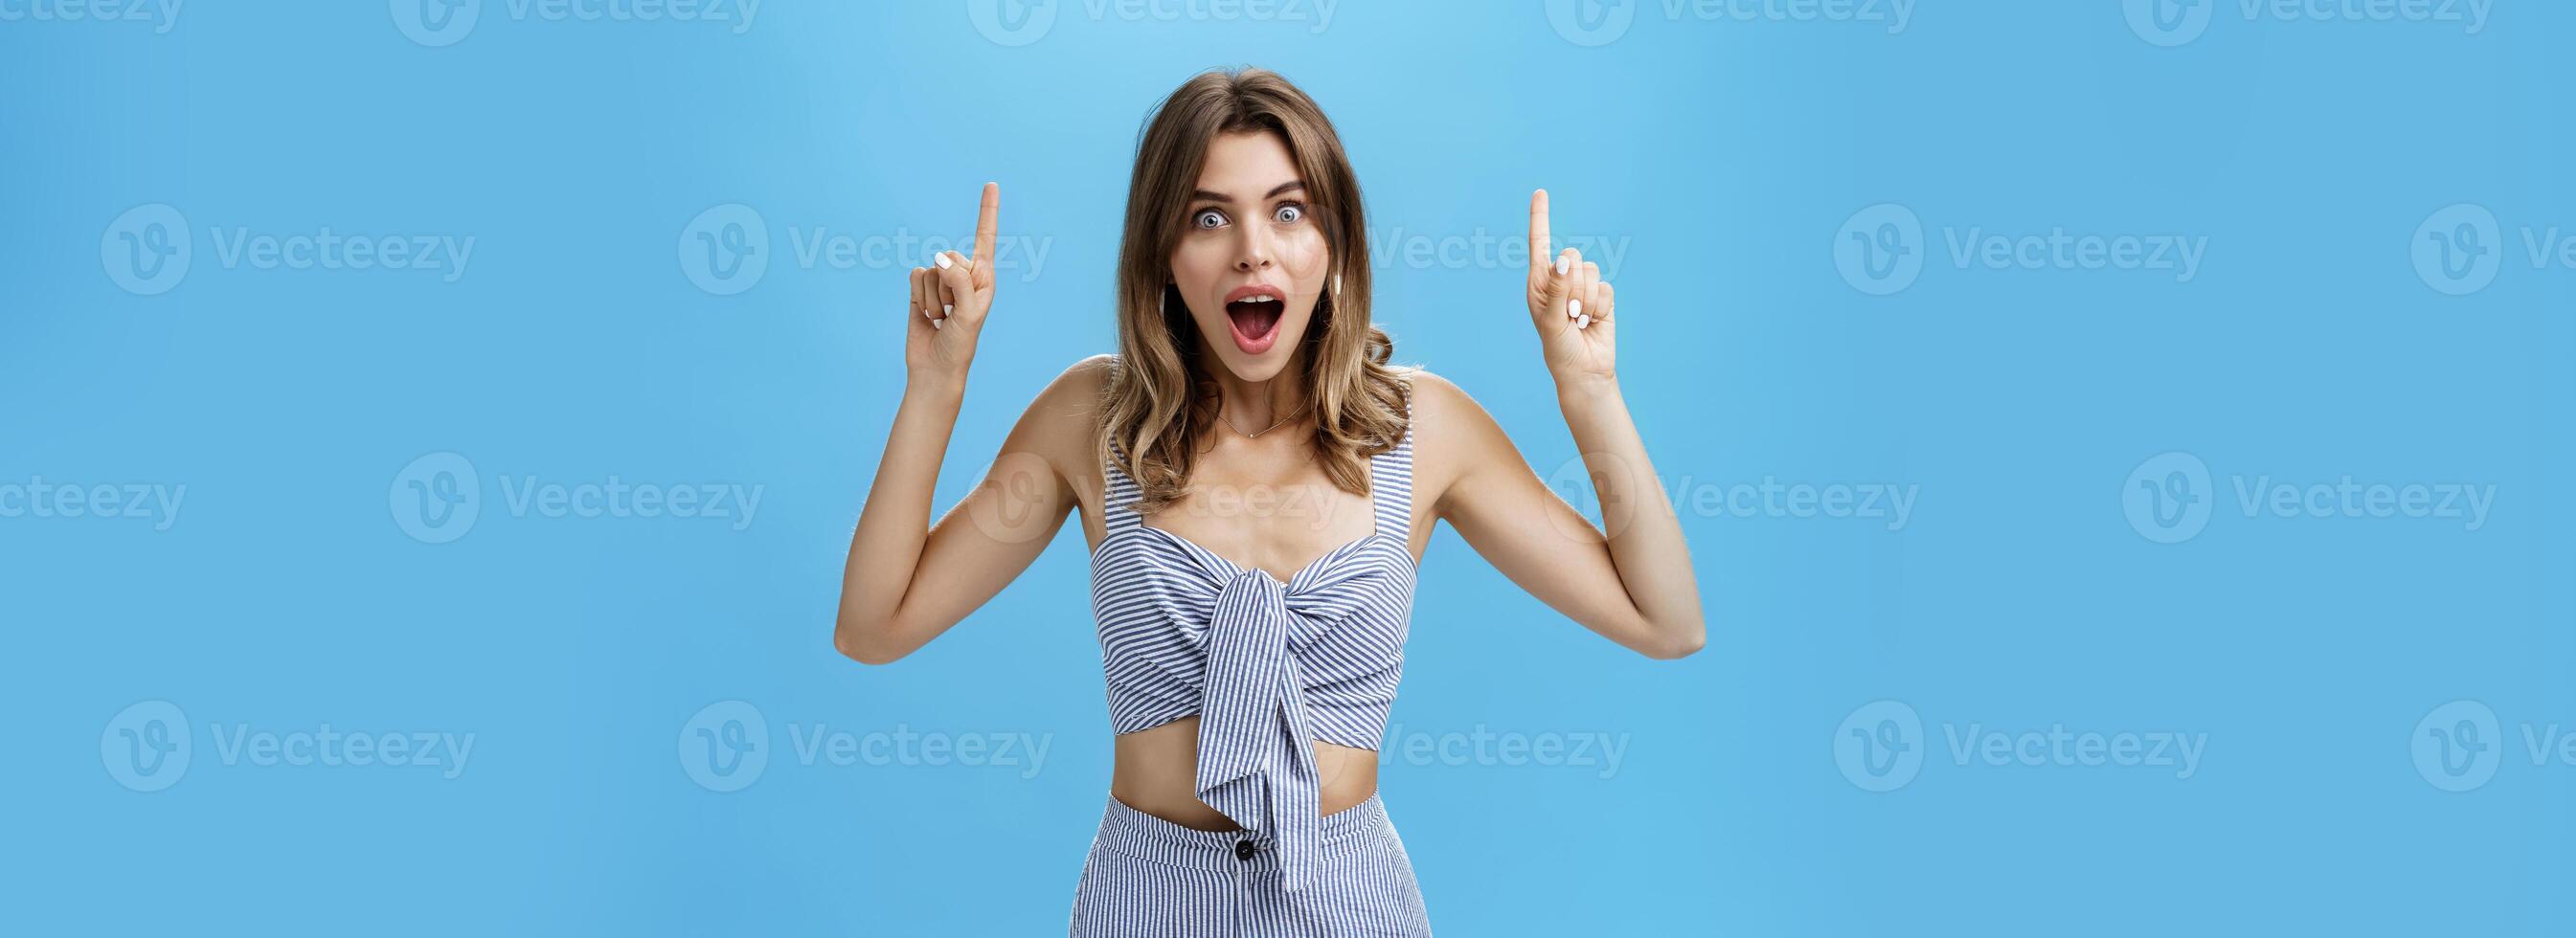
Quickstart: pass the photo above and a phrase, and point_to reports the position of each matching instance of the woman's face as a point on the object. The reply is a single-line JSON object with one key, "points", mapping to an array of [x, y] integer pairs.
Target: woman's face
{"points": [[1251, 259]]}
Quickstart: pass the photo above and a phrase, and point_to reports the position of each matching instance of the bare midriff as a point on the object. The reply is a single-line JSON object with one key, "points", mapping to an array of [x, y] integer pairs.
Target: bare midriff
{"points": [[1157, 773]]}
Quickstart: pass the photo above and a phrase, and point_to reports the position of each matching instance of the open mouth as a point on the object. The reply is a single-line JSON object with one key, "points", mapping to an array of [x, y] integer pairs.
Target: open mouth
{"points": [[1254, 313]]}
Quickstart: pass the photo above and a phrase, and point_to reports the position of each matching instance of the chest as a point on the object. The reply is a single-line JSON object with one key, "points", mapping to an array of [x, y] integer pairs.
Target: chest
{"points": [[1264, 505], [1273, 512]]}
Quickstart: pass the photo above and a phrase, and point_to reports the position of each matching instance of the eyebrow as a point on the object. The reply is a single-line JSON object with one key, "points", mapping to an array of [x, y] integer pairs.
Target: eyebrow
{"points": [[1203, 195]]}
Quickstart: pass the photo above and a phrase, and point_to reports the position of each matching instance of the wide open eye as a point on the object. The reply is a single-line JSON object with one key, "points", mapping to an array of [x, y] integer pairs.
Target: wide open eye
{"points": [[1208, 220], [1289, 213]]}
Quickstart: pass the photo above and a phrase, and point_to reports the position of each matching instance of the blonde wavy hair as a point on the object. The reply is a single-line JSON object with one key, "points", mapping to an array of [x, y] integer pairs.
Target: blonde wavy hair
{"points": [[1160, 397]]}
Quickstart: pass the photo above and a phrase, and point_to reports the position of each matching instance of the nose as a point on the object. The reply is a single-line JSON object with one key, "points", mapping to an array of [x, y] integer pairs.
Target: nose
{"points": [[1255, 253]]}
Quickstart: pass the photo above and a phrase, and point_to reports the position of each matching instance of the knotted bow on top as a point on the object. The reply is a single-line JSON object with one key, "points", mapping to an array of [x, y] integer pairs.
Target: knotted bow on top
{"points": [[1256, 756], [1269, 667], [1255, 763]]}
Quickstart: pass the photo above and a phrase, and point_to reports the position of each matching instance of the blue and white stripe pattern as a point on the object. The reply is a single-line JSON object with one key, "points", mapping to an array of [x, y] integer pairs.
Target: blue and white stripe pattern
{"points": [[1150, 878], [1266, 665]]}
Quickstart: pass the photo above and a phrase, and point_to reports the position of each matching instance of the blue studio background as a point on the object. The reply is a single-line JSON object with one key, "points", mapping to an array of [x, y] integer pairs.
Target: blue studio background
{"points": [[2215, 355]]}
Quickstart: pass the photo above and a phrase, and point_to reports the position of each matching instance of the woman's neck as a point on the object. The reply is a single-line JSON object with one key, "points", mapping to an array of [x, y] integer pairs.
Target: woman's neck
{"points": [[1252, 406]]}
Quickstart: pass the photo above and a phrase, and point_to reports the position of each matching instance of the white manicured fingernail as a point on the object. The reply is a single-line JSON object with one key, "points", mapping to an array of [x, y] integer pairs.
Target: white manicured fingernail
{"points": [[1583, 322], [943, 261], [947, 309], [1563, 263], [1573, 308], [939, 324]]}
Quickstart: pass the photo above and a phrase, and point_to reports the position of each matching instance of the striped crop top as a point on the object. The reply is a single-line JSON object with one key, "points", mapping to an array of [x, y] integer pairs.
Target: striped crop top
{"points": [[1266, 665]]}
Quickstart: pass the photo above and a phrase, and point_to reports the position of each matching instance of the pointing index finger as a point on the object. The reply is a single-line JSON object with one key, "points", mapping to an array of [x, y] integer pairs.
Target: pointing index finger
{"points": [[984, 220], [1539, 251]]}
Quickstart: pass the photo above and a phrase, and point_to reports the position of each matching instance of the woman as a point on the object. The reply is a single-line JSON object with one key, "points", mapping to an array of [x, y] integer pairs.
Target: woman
{"points": [[1257, 485]]}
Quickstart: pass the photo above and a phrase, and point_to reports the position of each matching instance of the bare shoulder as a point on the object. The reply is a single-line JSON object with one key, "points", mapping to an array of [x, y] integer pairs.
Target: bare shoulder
{"points": [[1076, 391], [1082, 381], [1443, 408], [1058, 424], [1432, 390], [1451, 433]]}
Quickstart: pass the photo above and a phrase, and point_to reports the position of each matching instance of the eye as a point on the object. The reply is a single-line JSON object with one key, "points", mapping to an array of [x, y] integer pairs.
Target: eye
{"points": [[1289, 213], [1208, 219]]}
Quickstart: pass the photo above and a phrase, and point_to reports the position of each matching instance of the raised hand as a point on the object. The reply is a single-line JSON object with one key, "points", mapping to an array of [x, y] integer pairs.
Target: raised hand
{"points": [[949, 300], [1570, 304]]}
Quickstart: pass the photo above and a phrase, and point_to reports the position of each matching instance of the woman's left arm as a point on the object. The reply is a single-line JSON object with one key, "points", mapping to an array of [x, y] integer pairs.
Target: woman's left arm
{"points": [[1634, 583]]}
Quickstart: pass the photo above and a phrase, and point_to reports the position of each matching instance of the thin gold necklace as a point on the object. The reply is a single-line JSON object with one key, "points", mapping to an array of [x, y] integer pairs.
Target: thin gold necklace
{"points": [[1229, 424]]}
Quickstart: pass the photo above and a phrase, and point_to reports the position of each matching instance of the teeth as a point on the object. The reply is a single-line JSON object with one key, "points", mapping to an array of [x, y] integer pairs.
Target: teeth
{"points": [[1259, 298]]}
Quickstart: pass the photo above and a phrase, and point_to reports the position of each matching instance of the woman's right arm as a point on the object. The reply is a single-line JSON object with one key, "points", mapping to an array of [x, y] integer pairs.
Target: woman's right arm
{"points": [[906, 580]]}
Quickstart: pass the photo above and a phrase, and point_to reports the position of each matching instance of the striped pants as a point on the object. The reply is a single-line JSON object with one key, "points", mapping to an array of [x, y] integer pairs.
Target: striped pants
{"points": [[1150, 877]]}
